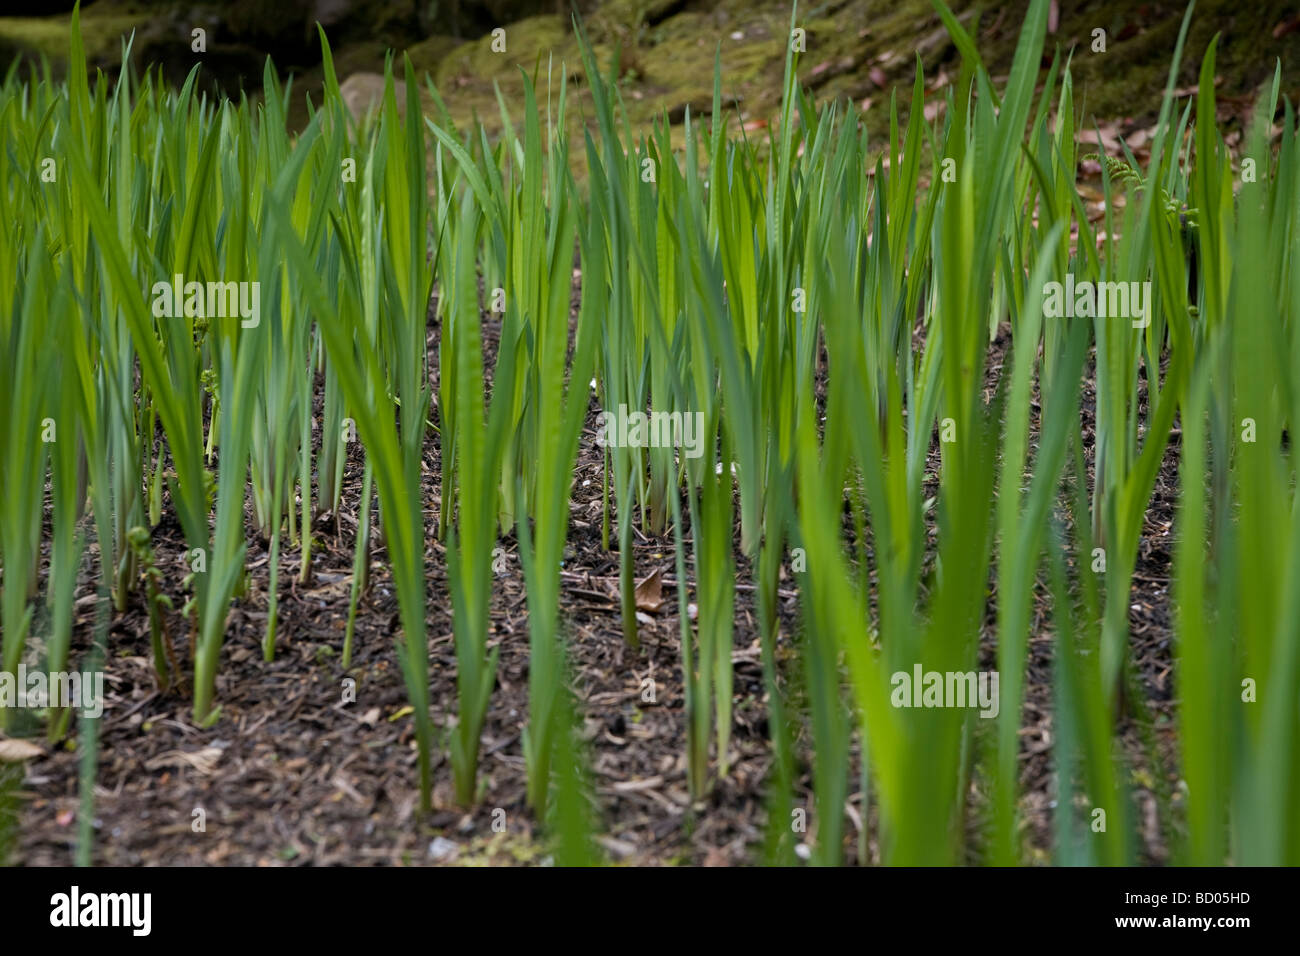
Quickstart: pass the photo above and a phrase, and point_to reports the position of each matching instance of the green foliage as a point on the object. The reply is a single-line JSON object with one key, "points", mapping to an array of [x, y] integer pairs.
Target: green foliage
{"points": [[820, 322]]}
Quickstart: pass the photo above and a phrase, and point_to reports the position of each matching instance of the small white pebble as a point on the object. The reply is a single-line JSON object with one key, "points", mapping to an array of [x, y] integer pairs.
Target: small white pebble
{"points": [[441, 850]]}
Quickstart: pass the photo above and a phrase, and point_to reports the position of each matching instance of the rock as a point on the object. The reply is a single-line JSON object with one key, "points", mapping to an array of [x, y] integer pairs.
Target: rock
{"points": [[363, 92], [442, 850]]}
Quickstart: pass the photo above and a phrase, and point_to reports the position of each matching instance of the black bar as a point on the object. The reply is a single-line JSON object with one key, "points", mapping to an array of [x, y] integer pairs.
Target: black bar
{"points": [[251, 907]]}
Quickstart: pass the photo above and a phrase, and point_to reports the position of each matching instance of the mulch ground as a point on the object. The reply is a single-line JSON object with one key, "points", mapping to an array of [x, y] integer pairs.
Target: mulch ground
{"points": [[292, 774]]}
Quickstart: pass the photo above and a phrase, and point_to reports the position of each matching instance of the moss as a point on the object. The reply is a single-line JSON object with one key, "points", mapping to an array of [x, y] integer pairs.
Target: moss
{"points": [[101, 35], [359, 58], [1128, 80], [525, 42], [427, 55], [857, 49]]}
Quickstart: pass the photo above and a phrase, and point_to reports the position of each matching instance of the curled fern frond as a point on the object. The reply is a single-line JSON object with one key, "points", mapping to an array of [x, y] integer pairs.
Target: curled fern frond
{"points": [[1118, 169]]}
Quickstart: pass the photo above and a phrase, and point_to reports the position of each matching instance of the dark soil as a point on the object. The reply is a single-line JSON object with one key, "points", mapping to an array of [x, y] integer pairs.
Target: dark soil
{"points": [[291, 774]]}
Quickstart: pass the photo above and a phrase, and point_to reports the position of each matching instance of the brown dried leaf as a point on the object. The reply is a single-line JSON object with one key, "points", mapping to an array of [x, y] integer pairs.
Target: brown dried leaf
{"points": [[1109, 137], [1140, 139], [650, 592], [13, 750], [204, 761]]}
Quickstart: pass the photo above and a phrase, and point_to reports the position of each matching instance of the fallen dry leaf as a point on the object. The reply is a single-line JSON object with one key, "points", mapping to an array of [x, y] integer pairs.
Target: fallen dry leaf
{"points": [[1136, 141], [204, 761], [1109, 137], [13, 750], [619, 849], [650, 592], [637, 786], [716, 856]]}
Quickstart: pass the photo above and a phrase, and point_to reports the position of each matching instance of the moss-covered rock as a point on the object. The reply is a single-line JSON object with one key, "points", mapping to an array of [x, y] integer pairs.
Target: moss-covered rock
{"points": [[497, 56], [101, 32], [857, 49]]}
